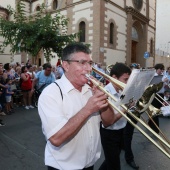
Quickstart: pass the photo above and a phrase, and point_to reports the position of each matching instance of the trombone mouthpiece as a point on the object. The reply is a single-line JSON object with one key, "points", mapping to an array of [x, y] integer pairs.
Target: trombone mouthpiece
{"points": [[87, 76]]}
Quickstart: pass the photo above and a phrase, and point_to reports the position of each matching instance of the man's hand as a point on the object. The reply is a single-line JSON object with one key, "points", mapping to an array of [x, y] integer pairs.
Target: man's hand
{"points": [[97, 102]]}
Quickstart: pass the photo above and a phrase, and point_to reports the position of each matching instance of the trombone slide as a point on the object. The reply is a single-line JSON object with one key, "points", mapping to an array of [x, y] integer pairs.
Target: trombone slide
{"points": [[135, 117]]}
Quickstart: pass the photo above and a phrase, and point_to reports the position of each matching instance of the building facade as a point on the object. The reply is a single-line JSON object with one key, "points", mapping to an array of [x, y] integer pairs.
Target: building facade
{"points": [[117, 30]]}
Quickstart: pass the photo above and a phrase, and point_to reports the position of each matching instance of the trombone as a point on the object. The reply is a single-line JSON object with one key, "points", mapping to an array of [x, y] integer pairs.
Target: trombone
{"points": [[122, 86]]}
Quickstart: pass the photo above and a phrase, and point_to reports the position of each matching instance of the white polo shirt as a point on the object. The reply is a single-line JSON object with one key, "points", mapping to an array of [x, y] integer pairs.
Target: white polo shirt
{"points": [[121, 123], [84, 149]]}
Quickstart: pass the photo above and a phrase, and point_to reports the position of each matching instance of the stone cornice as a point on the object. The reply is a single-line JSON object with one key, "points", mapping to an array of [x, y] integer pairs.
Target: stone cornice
{"points": [[30, 1], [136, 14], [67, 6], [114, 4]]}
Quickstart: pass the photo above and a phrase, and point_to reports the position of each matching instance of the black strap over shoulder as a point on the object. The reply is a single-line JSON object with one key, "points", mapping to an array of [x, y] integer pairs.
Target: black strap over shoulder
{"points": [[60, 90]]}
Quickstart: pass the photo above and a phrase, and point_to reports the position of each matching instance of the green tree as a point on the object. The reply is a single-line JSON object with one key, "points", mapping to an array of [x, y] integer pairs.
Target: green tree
{"points": [[35, 32]]}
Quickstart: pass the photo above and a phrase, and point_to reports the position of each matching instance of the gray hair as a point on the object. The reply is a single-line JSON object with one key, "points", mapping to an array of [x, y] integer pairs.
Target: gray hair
{"points": [[74, 48]]}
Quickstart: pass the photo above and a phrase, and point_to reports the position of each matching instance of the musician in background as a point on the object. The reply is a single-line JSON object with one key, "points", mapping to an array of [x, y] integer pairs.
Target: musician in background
{"points": [[166, 98], [159, 71], [112, 130], [69, 111], [166, 79], [165, 109], [128, 134]]}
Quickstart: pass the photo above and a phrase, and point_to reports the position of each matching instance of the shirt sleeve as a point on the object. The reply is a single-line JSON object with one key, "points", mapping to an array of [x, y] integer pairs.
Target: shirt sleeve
{"points": [[51, 111], [53, 78], [37, 75]]}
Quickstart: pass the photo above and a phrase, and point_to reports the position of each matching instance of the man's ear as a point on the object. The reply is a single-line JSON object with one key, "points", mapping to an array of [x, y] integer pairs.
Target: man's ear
{"points": [[65, 65], [114, 76]]}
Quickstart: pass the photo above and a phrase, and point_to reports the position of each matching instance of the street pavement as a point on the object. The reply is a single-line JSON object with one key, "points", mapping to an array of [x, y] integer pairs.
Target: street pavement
{"points": [[22, 145]]}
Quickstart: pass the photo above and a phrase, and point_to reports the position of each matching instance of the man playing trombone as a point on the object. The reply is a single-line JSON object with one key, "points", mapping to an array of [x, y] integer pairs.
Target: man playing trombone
{"points": [[69, 111]]}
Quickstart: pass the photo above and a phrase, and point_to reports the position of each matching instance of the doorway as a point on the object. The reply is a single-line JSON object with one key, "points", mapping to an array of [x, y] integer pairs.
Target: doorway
{"points": [[39, 62], [133, 52]]}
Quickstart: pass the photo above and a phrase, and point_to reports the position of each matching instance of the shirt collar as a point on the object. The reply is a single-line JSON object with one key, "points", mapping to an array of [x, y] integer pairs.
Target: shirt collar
{"points": [[112, 89], [156, 74]]}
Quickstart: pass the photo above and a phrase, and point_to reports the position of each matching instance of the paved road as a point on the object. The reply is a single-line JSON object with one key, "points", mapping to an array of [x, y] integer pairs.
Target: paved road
{"points": [[22, 145]]}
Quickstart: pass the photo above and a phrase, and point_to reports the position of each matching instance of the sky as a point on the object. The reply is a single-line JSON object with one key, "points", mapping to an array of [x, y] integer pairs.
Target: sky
{"points": [[163, 25]]}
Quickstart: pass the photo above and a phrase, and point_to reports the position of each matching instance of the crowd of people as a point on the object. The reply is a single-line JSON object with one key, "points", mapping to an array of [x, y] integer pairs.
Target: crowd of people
{"points": [[18, 82], [76, 119]]}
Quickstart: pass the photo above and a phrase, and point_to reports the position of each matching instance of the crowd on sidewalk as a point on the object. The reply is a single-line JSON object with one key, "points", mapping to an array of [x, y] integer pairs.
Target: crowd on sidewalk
{"points": [[19, 81]]}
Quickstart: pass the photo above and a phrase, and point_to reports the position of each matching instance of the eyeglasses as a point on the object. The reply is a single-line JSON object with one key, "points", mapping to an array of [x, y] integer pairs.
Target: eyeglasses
{"points": [[82, 62]]}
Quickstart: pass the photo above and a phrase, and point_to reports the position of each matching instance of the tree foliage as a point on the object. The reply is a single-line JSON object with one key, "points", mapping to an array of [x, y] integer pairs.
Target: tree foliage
{"points": [[35, 32]]}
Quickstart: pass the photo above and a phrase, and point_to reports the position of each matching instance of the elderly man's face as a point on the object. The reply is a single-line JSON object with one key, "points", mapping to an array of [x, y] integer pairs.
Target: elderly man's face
{"points": [[77, 68]]}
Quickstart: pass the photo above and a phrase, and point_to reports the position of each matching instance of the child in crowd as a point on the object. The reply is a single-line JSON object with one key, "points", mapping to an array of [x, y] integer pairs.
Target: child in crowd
{"points": [[8, 96], [1, 113]]}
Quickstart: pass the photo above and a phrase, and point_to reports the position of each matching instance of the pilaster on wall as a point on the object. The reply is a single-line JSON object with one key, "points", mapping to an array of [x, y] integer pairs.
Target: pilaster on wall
{"points": [[145, 36], [128, 38], [70, 15], [102, 29], [147, 8]]}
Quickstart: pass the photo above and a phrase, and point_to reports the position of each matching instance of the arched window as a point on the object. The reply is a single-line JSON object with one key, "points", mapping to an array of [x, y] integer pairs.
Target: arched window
{"points": [[134, 34], [82, 29], [111, 33], [55, 4], [38, 8]]}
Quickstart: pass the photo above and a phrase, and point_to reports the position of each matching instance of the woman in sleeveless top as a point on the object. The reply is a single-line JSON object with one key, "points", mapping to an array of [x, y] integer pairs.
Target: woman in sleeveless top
{"points": [[26, 86]]}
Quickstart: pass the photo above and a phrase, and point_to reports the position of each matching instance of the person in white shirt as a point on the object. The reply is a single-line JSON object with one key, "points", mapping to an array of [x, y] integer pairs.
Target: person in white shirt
{"points": [[159, 72], [112, 131], [166, 79], [69, 112]]}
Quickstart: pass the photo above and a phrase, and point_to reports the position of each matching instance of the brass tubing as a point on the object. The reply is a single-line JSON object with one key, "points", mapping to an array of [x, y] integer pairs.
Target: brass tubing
{"points": [[146, 126], [160, 131], [111, 79], [162, 99], [156, 124], [135, 117], [122, 85]]}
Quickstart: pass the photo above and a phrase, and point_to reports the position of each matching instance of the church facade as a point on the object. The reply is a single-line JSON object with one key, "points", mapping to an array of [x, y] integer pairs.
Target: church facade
{"points": [[117, 30]]}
